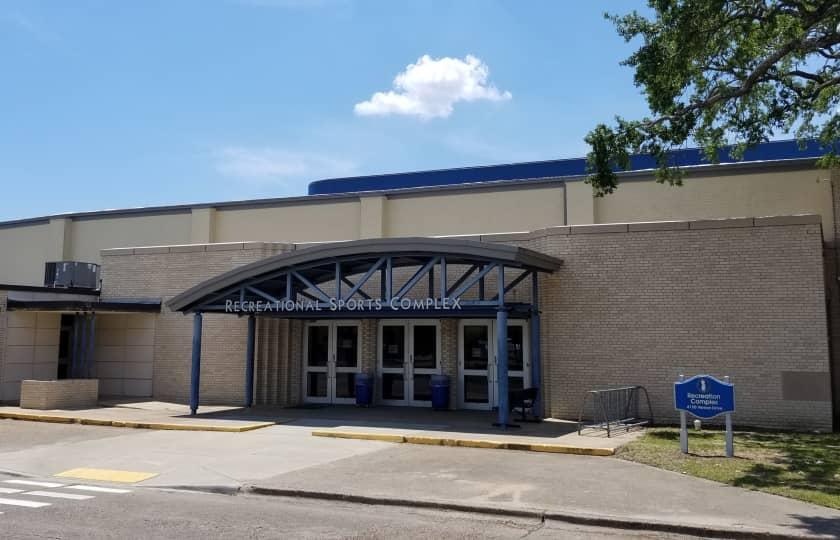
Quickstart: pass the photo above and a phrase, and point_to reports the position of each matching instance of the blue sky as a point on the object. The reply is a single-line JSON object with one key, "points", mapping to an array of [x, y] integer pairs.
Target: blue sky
{"points": [[124, 104]]}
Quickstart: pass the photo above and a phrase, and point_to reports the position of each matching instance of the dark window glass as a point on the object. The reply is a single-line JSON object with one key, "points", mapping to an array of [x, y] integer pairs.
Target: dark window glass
{"points": [[423, 387], [393, 386], [316, 384], [475, 389], [345, 385], [347, 353], [425, 347], [393, 346], [516, 358], [475, 347], [318, 345]]}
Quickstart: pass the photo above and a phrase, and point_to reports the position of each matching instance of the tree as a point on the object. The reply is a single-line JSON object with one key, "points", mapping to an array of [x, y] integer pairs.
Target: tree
{"points": [[720, 72]]}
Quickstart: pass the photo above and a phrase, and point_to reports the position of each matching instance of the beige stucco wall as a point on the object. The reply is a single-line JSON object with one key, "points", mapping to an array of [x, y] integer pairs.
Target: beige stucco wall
{"points": [[427, 212], [30, 352], [500, 210], [24, 252], [304, 222], [805, 191], [90, 236], [124, 354]]}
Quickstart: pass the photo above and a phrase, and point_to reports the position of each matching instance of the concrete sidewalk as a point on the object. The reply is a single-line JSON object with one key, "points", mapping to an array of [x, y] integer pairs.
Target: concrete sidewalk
{"points": [[587, 489], [287, 459]]}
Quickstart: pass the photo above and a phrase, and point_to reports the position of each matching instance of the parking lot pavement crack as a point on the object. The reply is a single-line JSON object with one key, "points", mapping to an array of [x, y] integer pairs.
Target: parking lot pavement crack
{"points": [[532, 530]]}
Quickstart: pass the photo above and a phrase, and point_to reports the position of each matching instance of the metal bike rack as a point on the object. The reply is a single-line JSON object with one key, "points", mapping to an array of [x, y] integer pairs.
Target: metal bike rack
{"points": [[615, 409]]}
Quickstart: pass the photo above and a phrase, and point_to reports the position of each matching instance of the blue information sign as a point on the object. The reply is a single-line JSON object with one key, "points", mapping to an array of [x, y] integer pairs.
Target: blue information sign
{"points": [[704, 396]]}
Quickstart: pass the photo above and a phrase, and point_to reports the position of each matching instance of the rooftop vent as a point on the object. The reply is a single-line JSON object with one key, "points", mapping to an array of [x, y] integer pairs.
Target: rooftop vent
{"points": [[71, 274]]}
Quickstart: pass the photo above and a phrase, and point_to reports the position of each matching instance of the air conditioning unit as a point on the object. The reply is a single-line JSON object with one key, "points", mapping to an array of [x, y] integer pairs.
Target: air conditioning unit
{"points": [[75, 274]]}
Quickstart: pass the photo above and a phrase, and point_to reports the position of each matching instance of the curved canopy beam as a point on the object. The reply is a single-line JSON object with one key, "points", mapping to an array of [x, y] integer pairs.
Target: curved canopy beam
{"points": [[285, 276]]}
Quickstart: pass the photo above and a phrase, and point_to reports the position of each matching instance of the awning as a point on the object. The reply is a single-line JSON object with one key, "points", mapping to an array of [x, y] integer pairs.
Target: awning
{"points": [[291, 280]]}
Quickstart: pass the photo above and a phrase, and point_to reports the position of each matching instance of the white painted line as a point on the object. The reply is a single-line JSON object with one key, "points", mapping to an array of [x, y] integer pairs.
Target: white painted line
{"points": [[57, 495], [28, 504], [99, 489], [9, 490], [34, 483]]}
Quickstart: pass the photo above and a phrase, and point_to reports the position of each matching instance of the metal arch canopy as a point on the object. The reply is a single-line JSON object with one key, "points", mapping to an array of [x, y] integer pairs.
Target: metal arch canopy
{"points": [[298, 274]]}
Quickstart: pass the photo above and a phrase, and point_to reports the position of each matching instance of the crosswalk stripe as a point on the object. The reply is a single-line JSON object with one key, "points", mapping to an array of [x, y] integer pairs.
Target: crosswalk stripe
{"points": [[57, 495], [9, 490], [28, 504], [34, 483], [99, 489]]}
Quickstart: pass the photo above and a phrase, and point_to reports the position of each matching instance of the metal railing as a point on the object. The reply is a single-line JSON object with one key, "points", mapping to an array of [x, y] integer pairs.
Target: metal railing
{"points": [[615, 409]]}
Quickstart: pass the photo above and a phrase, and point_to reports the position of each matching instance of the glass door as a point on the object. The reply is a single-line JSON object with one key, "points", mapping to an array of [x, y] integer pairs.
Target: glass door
{"points": [[393, 337], [332, 353], [347, 355], [423, 361], [519, 359], [478, 388], [409, 354], [316, 363], [475, 364]]}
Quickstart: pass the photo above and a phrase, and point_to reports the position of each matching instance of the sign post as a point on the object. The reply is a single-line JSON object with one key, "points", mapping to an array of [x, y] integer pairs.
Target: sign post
{"points": [[704, 396]]}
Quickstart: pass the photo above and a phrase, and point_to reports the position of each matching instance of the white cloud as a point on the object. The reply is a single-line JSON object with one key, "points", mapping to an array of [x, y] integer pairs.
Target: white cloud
{"points": [[431, 87], [275, 165]]}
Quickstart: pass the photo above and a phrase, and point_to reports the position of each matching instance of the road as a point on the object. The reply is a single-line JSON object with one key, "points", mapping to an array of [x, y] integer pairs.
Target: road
{"points": [[150, 513]]}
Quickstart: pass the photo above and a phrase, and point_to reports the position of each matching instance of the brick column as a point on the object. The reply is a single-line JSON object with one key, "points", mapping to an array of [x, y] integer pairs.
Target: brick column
{"points": [[449, 357]]}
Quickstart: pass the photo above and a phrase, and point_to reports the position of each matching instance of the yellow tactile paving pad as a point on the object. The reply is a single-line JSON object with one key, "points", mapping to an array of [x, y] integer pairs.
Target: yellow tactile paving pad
{"points": [[107, 475]]}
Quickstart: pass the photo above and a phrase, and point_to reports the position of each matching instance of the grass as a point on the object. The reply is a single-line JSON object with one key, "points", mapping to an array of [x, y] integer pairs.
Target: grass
{"points": [[804, 466]]}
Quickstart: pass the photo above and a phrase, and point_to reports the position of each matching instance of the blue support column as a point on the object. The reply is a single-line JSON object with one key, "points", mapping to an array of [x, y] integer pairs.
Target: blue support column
{"points": [[195, 375], [536, 356], [249, 362], [502, 366], [502, 352]]}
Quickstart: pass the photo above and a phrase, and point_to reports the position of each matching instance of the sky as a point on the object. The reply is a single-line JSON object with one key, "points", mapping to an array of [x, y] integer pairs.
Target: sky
{"points": [[127, 104]]}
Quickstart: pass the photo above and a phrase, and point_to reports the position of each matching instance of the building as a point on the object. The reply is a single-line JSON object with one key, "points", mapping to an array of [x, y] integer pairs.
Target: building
{"points": [[732, 274]]}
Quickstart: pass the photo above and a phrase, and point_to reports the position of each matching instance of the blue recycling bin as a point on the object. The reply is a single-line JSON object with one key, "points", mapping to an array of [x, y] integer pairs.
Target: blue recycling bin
{"points": [[364, 389], [440, 392]]}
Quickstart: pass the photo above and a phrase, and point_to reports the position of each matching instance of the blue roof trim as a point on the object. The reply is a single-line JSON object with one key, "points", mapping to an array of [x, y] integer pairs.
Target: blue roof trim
{"points": [[770, 151]]}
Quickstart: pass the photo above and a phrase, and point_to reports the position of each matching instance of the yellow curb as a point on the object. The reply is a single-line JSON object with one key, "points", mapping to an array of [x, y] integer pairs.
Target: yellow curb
{"points": [[39, 418], [131, 424], [362, 436], [468, 443]]}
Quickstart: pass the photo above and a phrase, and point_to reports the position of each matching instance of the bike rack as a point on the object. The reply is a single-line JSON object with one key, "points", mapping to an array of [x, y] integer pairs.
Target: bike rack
{"points": [[615, 409]]}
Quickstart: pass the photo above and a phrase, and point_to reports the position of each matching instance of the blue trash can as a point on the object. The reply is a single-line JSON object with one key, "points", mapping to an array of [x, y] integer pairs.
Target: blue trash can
{"points": [[364, 389], [440, 392]]}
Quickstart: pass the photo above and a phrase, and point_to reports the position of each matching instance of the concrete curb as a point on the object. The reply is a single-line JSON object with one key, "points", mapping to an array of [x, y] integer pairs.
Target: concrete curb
{"points": [[56, 419], [468, 443], [613, 522]]}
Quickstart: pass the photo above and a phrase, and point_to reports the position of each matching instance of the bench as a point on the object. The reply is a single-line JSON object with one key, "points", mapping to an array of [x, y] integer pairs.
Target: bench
{"points": [[524, 400]]}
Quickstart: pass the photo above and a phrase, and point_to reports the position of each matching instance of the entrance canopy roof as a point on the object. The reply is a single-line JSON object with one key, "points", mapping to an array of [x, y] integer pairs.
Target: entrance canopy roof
{"points": [[341, 277]]}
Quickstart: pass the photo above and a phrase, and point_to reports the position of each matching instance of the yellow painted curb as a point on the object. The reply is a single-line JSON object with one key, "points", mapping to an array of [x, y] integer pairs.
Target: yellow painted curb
{"points": [[468, 443], [362, 436], [131, 424]]}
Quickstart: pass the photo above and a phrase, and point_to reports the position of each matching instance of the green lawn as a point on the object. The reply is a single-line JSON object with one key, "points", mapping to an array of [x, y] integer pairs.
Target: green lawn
{"points": [[798, 465]]}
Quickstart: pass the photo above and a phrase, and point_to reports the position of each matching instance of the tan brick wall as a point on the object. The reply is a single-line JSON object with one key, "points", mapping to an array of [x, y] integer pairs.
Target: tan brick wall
{"points": [[633, 304], [64, 394], [165, 272], [637, 305]]}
